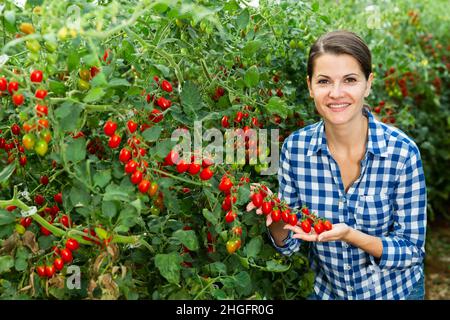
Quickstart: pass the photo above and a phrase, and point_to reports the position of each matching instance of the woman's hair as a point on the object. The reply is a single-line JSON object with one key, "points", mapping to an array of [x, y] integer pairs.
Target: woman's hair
{"points": [[341, 42]]}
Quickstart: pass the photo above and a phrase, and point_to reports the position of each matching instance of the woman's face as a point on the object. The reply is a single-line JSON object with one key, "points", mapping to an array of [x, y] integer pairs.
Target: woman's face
{"points": [[338, 87]]}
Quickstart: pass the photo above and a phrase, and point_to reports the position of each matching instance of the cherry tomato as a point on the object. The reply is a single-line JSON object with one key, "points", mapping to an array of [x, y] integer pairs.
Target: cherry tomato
{"points": [[230, 216], [293, 219], [327, 225], [131, 166], [45, 231], [276, 215], [58, 198], [40, 271], [13, 86], [85, 74], [132, 126], [319, 227], [233, 245], [26, 222], [66, 255], [306, 226], [18, 99], [124, 155], [257, 199], [50, 271], [72, 244], [225, 122], [153, 189], [225, 184], [285, 215], [136, 177], [144, 185], [164, 103], [166, 86], [266, 207], [155, 116], [58, 264], [194, 168], [41, 110], [46, 135], [3, 84], [36, 76], [110, 128], [206, 174], [65, 221], [114, 141], [40, 94]]}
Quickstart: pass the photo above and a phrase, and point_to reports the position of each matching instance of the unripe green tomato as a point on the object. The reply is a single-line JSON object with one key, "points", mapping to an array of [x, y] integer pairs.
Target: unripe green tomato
{"points": [[20, 229], [179, 23], [51, 58], [23, 116], [41, 147], [292, 44], [33, 45], [50, 46], [33, 56], [154, 211], [300, 45], [257, 168], [83, 85]]}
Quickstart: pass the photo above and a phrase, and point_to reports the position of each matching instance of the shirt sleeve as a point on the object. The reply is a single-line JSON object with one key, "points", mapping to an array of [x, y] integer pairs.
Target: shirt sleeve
{"points": [[405, 245], [287, 192]]}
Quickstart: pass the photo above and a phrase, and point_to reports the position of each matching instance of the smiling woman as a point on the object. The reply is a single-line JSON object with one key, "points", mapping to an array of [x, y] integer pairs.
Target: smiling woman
{"points": [[362, 175]]}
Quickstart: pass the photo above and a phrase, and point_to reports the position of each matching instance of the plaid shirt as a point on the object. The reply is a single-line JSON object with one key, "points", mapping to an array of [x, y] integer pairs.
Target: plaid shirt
{"points": [[388, 200]]}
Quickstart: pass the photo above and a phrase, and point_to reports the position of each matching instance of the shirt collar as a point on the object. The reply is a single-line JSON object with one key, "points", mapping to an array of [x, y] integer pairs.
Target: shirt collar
{"points": [[376, 143]]}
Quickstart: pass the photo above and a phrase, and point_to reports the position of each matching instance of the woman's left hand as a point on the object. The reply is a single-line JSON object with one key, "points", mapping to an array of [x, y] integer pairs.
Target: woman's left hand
{"points": [[339, 232]]}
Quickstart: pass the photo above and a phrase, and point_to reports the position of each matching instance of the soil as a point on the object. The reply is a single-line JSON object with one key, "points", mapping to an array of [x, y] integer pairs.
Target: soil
{"points": [[437, 261]]}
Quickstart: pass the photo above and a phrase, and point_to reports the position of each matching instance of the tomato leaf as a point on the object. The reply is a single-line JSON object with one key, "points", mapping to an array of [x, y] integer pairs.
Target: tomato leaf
{"points": [[67, 116], [21, 263], [211, 217], [252, 47], [191, 100], [117, 82], [73, 60], [152, 134], [6, 218], [274, 266], [102, 178], [75, 150], [6, 263], [79, 196], [94, 94], [253, 248], [115, 192], [7, 172], [109, 209], [251, 77], [57, 87], [277, 106], [169, 266], [243, 19], [187, 238], [243, 195]]}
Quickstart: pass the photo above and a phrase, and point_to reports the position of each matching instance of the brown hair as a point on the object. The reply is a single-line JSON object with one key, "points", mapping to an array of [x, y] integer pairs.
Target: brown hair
{"points": [[341, 42]]}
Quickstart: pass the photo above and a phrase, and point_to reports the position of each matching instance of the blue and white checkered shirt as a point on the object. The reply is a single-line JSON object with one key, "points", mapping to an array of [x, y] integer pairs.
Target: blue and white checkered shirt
{"points": [[388, 200]]}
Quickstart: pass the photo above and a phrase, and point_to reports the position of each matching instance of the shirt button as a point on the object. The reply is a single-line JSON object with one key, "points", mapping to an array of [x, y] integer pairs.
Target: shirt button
{"points": [[343, 199], [345, 245], [347, 267], [349, 288]]}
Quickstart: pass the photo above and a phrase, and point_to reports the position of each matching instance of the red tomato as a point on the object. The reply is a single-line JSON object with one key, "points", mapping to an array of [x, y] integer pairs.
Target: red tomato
{"points": [[293, 219], [132, 126], [136, 177], [285, 215], [40, 271], [144, 185], [306, 226], [194, 168], [319, 227], [225, 122], [36, 76], [110, 128], [206, 174], [124, 155], [3, 84], [230, 216], [50, 271], [18, 99], [327, 225], [58, 198], [114, 141], [257, 199], [66, 255], [225, 184], [40, 93], [72, 244], [276, 215], [13, 86], [131, 166], [156, 116], [166, 86], [164, 103], [266, 207], [65, 221], [58, 264]]}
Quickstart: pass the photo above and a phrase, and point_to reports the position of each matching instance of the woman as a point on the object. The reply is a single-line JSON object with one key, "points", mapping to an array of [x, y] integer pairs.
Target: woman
{"points": [[362, 175]]}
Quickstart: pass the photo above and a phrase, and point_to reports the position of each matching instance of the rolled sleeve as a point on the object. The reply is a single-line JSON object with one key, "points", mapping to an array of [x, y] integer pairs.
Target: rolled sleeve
{"points": [[405, 245]]}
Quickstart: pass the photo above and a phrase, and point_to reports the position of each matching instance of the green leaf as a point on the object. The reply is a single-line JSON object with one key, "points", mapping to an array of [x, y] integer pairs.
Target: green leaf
{"points": [[6, 217], [128, 217], [277, 106], [252, 47], [109, 209], [169, 266], [251, 77], [163, 147], [190, 99], [6, 263], [243, 195], [79, 196], [90, 60], [102, 178], [21, 262], [99, 80], [137, 204], [76, 150], [274, 266], [315, 7], [152, 134], [115, 192], [117, 82], [253, 248], [67, 115], [128, 50], [94, 95], [73, 60], [243, 19], [217, 268], [242, 280], [57, 87], [210, 216], [7, 172], [187, 238]]}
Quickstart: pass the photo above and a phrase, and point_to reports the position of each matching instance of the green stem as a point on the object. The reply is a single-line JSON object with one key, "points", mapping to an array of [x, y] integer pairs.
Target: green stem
{"points": [[179, 178]]}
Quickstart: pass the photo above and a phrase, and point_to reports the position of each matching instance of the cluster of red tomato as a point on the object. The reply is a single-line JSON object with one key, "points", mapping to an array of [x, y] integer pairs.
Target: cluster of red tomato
{"points": [[62, 256], [192, 166], [31, 140], [162, 102]]}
